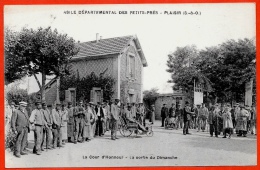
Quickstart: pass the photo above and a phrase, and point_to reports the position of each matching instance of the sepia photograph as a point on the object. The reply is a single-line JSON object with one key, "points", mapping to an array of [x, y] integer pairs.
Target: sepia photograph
{"points": [[130, 85]]}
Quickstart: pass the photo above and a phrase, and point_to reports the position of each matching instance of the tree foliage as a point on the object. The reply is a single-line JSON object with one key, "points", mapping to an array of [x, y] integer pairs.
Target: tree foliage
{"points": [[85, 84], [182, 66], [17, 95], [150, 96], [13, 63], [223, 69], [43, 51]]}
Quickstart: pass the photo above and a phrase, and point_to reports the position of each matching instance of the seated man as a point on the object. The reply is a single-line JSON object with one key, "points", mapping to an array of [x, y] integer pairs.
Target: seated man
{"points": [[130, 118]]}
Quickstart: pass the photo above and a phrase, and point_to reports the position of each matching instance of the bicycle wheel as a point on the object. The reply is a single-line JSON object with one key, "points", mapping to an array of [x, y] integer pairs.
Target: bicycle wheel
{"points": [[124, 131]]}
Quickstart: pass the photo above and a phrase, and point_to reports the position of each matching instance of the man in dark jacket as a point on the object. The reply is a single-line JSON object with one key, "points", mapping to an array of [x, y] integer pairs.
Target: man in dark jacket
{"points": [[186, 118], [100, 115], [164, 113], [20, 126]]}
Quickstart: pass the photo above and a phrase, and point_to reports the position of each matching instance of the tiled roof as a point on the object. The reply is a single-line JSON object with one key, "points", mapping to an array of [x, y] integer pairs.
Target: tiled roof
{"points": [[93, 49], [103, 46]]}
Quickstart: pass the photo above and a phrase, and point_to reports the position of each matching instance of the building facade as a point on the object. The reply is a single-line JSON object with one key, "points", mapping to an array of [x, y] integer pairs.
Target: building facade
{"points": [[121, 58], [168, 99]]}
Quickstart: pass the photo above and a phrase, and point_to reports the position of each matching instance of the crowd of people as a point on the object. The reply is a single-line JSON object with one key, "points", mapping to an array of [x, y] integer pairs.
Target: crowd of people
{"points": [[53, 127], [216, 119]]}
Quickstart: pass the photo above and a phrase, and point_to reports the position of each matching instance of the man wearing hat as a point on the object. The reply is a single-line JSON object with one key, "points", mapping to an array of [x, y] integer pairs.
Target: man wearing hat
{"points": [[37, 120], [213, 120], [236, 112], [179, 116], [242, 121], [56, 126], [164, 113], [186, 118], [46, 130], [107, 107], [100, 117], [20, 126], [114, 119], [142, 113], [70, 122], [78, 114]]}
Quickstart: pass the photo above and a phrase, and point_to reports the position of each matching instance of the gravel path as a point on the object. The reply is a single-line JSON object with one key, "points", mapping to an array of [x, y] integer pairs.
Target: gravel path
{"points": [[165, 148]]}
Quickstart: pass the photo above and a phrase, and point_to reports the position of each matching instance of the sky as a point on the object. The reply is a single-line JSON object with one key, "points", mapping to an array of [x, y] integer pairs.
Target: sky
{"points": [[159, 34]]}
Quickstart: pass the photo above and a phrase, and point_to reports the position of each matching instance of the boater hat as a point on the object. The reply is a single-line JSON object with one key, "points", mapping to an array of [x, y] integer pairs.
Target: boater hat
{"points": [[22, 103], [92, 103]]}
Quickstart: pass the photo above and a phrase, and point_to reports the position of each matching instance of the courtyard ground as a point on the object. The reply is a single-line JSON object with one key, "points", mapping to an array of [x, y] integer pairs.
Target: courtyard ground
{"points": [[198, 149]]}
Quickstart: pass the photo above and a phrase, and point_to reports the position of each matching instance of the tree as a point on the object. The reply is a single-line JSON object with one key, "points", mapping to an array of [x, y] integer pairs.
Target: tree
{"points": [[43, 51], [182, 66], [150, 96], [13, 63], [223, 69]]}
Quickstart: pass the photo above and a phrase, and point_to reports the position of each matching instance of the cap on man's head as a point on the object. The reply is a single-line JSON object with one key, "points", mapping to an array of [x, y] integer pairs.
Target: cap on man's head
{"points": [[186, 103], [58, 103], [22, 103], [69, 103], [81, 102]]}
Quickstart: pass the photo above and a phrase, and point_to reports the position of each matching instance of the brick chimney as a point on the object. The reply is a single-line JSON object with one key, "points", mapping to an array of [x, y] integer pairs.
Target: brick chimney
{"points": [[97, 37]]}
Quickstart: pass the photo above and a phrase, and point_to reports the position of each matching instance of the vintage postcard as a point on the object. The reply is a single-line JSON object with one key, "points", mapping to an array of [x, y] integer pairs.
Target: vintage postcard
{"points": [[130, 85]]}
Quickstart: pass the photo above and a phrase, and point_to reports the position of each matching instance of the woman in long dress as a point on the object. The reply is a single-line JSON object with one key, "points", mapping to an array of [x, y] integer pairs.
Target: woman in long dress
{"points": [[227, 123], [93, 122], [89, 117], [64, 120]]}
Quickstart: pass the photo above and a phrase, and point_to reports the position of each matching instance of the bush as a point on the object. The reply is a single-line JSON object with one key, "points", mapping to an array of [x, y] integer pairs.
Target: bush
{"points": [[10, 140], [85, 84]]}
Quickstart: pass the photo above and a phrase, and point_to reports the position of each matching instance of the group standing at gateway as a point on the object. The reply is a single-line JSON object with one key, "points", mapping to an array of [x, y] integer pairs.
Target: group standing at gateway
{"points": [[54, 127], [216, 118]]}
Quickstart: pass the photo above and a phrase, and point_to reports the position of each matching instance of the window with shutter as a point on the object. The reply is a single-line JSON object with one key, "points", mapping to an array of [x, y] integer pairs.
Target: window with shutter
{"points": [[132, 66], [92, 96], [67, 95]]}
